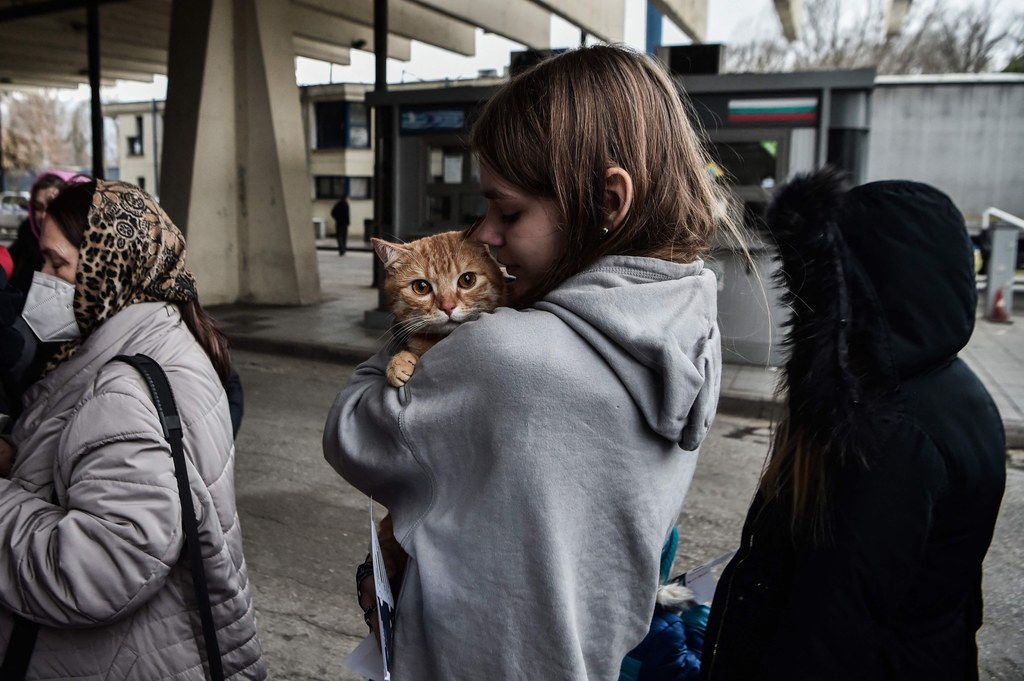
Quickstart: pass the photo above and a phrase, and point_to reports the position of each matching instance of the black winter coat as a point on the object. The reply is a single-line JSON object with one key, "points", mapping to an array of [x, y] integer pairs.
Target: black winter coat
{"points": [[896, 593]]}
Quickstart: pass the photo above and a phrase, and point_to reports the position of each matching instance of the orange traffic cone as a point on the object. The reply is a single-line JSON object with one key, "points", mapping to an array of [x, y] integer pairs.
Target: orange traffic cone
{"points": [[999, 311]]}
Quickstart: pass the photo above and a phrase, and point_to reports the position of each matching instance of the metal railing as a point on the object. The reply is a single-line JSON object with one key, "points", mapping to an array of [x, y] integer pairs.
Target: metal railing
{"points": [[1002, 262]]}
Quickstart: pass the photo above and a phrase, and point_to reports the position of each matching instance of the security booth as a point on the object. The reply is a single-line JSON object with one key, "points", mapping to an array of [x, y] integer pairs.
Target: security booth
{"points": [[761, 129], [435, 184]]}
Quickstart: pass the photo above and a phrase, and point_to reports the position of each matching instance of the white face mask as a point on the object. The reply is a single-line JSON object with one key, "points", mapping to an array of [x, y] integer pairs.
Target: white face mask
{"points": [[49, 309]]}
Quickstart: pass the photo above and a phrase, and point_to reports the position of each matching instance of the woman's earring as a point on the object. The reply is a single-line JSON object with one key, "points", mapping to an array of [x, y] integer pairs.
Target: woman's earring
{"points": [[604, 232]]}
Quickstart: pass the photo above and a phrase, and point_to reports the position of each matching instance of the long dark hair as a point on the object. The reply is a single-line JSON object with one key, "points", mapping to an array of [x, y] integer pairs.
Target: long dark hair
{"points": [[69, 210]]}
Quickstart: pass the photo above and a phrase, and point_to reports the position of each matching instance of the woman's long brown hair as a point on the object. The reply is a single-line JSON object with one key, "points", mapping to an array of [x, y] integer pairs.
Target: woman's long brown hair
{"points": [[210, 337], [798, 474], [554, 131]]}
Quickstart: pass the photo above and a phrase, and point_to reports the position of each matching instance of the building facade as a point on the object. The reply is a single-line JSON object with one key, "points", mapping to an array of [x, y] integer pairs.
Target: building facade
{"points": [[140, 134], [339, 140], [961, 133]]}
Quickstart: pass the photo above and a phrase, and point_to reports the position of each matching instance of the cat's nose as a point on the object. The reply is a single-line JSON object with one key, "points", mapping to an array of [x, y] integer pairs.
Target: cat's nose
{"points": [[448, 309]]}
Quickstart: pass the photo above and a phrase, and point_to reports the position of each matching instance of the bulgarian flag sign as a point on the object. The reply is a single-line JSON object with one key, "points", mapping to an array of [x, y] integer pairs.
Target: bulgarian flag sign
{"points": [[787, 110]]}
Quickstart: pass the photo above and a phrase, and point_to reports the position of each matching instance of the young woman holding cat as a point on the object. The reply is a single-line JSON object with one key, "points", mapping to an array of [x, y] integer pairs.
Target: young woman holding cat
{"points": [[536, 461]]}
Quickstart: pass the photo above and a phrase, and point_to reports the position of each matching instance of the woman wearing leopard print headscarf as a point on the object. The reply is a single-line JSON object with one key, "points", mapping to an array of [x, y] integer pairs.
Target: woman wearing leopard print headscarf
{"points": [[90, 519]]}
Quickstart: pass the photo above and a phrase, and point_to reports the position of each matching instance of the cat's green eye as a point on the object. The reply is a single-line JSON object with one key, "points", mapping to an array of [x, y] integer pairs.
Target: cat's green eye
{"points": [[421, 286], [467, 280]]}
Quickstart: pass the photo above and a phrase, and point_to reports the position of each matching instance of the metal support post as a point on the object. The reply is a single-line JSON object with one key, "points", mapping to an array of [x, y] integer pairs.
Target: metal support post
{"points": [[93, 15], [382, 150], [1002, 262]]}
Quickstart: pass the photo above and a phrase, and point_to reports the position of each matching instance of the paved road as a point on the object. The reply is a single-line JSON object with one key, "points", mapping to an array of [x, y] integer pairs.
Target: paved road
{"points": [[305, 528]]}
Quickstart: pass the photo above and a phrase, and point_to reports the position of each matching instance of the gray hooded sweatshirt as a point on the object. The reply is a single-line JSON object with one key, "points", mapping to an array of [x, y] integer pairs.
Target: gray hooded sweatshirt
{"points": [[533, 467]]}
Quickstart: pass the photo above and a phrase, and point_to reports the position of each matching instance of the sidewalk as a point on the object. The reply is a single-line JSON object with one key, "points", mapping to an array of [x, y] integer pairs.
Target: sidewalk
{"points": [[333, 330]]}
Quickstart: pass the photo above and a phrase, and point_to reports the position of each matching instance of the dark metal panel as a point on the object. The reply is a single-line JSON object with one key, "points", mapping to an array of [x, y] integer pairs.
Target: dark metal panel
{"points": [[35, 9], [773, 82], [93, 20]]}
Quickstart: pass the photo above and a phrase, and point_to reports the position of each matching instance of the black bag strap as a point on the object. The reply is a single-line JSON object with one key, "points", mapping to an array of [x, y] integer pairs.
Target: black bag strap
{"points": [[23, 633], [171, 424], [19, 649]]}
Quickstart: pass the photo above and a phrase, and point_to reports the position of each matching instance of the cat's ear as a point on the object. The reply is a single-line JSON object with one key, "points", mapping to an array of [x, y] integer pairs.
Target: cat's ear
{"points": [[618, 196], [388, 252]]}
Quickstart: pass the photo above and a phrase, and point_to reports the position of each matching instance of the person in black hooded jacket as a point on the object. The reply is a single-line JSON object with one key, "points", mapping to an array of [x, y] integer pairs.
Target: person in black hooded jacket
{"points": [[861, 554]]}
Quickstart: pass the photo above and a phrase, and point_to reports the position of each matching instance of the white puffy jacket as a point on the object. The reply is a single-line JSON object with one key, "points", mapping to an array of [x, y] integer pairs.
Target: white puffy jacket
{"points": [[103, 570]]}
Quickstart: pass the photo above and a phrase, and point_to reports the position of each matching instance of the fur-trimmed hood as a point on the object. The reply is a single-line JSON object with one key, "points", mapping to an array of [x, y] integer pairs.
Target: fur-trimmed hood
{"points": [[880, 283]]}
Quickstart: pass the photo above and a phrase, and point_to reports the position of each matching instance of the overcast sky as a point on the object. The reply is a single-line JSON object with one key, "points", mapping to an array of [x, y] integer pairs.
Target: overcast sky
{"points": [[728, 21], [429, 63], [726, 18]]}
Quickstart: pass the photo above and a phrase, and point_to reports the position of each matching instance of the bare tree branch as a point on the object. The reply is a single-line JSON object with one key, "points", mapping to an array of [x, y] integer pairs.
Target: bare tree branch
{"points": [[933, 40]]}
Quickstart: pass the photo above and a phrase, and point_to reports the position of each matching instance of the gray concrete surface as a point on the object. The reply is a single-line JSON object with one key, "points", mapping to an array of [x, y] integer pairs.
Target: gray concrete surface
{"points": [[305, 529], [333, 330]]}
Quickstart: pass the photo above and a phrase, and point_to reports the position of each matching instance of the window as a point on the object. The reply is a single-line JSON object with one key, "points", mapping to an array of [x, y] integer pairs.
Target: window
{"points": [[358, 126], [342, 124], [360, 187], [336, 186], [135, 142], [330, 125], [140, 182], [329, 186], [748, 163]]}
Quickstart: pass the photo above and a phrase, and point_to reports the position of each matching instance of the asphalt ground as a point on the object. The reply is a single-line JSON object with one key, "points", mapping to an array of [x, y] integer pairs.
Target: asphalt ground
{"points": [[305, 529]]}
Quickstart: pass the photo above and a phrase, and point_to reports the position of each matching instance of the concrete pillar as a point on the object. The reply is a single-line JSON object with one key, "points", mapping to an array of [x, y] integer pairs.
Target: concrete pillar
{"points": [[234, 174], [897, 12], [279, 262], [790, 14], [691, 16], [653, 38]]}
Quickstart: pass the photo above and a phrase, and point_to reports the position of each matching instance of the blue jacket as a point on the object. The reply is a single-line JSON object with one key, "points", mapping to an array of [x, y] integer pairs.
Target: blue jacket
{"points": [[672, 649]]}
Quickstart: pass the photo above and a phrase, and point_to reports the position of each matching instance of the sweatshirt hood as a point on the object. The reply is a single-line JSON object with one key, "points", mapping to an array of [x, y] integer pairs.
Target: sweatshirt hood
{"points": [[654, 323], [880, 287], [911, 242], [885, 270]]}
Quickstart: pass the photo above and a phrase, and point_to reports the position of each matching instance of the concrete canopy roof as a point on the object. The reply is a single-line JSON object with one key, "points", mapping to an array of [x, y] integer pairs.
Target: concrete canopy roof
{"points": [[44, 42], [790, 13]]}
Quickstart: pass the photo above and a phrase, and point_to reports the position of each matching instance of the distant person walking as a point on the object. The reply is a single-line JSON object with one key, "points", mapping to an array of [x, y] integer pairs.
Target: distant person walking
{"points": [[341, 216]]}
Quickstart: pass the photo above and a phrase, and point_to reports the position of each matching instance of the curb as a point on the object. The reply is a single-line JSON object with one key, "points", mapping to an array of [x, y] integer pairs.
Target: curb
{"points": [[1014, 435], [337, 354], [770, 410], [750, 406]]}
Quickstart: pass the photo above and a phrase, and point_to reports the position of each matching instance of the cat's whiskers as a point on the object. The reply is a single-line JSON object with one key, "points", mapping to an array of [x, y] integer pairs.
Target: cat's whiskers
{"points": [[407, 328]]}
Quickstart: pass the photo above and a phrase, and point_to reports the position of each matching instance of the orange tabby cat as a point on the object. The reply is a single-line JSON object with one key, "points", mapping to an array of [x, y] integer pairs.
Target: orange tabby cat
{"points": [[434, 284]]}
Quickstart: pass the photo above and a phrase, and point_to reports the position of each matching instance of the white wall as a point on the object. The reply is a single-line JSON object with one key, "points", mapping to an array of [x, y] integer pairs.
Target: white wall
{"points": [[966, 138]]}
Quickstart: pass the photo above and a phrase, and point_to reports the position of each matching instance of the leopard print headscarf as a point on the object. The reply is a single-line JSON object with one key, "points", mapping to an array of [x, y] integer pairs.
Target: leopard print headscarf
{"points": [[131, 253]]}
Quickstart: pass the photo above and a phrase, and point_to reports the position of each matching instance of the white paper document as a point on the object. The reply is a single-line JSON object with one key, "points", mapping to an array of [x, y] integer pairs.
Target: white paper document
{"points": [[367, 659], [702, 580]]}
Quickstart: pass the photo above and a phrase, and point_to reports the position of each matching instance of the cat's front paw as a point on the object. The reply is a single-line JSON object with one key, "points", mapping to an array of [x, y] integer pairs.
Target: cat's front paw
{"points": [[400, 368]]}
